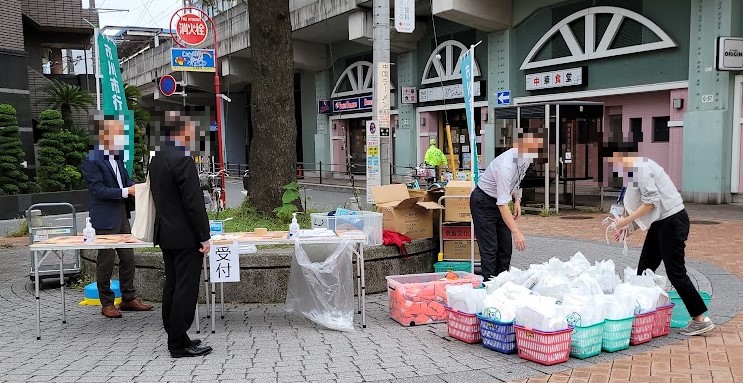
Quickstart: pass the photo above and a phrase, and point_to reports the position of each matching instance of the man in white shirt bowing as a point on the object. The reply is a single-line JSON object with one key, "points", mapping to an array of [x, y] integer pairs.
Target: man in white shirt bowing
{"points": [[495, 225], [111, 202]]}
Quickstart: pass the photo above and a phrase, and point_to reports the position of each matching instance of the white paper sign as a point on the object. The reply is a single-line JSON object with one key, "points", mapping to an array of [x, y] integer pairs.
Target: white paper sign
{"points": [[224, 263], [447, 92], [405, 16], [730, 53]]}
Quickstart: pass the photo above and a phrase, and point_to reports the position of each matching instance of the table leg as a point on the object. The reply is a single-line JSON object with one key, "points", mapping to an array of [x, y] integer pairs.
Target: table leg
{"points": [[60, 254], [358, 280], [198, 325], [38, 303], [363, 288], [206, 287], [221, 296], [214, 303]]}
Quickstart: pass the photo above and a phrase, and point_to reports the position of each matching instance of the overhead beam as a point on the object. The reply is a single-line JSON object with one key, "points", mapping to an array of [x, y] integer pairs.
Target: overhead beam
{"points": [[488, 16]]}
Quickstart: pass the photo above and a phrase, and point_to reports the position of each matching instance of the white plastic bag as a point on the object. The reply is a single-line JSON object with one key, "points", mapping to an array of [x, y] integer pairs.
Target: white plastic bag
{"points": [[541, 313], [583, 311], [576, 265], [604, 273], [615, 308], [645, 298], [585, 285], [465, 298], [321, 284], [552, 284]]}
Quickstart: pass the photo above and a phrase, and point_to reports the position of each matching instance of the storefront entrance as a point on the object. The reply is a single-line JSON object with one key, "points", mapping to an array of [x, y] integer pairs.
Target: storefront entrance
{"points": [[572, 153], [460, 136], [357, 145]]}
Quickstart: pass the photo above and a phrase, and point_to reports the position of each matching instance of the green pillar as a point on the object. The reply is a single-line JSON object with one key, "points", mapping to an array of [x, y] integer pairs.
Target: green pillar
{"points": [[498, 79], [708, 121], [322, 139], [405, 140]]}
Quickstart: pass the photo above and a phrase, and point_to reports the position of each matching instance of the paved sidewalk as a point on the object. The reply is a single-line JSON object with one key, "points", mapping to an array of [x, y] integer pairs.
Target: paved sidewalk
{"points": [[714, 357], [262, 343]]}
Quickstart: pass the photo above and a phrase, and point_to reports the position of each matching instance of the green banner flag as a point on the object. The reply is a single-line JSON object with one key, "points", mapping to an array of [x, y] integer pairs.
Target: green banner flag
{"points": [[113, 97]]}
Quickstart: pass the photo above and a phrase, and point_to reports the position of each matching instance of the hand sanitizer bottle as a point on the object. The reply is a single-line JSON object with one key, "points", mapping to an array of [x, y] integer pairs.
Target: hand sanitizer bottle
{"points": [[294, 227], [88, 232]]}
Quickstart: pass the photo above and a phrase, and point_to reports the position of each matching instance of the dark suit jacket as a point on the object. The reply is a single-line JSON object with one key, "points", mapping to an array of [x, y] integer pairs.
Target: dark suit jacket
{"points": [[105, 193], [180, 214]]}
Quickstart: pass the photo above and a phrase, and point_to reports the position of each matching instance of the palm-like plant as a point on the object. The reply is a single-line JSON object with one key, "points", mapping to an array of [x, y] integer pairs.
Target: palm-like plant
{"points": [[65, 97]]}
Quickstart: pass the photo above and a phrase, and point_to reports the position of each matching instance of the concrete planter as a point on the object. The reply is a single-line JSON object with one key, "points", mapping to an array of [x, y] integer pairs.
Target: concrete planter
{"points": [[264, 275]]}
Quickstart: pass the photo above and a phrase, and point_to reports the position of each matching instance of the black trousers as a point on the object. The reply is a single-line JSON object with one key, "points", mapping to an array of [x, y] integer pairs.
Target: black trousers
{"points": [[105, 264], [493, 236], [181, 291], [666, 241]]}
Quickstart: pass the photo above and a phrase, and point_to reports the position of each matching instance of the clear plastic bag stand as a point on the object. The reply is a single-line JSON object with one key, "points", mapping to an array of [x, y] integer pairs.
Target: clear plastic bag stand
{"points": [[321, 284]]}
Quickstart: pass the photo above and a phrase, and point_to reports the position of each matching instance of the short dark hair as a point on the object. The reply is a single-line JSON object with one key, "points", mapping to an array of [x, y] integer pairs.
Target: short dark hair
{"points": [[609, 149]]}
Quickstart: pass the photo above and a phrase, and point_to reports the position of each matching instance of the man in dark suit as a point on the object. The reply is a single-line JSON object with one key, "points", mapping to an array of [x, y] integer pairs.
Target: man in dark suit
{"points": [[111, 194], [181, 230]]}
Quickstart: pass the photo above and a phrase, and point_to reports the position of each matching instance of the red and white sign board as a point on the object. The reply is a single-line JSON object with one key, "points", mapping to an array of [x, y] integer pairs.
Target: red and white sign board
{"points": [[554, 79], [405, 16], [192, 29]]}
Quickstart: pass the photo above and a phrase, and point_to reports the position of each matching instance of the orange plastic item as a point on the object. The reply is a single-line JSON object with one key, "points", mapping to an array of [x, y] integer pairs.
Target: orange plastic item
{"points": [[452, 276], [421, 298]]}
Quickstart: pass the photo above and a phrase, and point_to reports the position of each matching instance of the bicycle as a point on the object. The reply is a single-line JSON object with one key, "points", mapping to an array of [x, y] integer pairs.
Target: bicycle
{"points": [[211, 183]]}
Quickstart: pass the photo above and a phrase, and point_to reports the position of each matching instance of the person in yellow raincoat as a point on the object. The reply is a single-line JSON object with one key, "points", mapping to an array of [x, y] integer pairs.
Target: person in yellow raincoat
{"points": [[434, 156]]}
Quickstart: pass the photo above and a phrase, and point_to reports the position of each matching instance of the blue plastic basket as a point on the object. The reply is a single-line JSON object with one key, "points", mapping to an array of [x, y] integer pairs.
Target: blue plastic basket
{"points": [[497, 336], [680, 317], [617, 334]]}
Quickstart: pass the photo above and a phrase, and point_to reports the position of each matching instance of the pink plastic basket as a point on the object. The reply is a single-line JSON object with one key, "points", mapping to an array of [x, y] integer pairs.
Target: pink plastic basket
{"points": [[662, 320], [642, 328], [463, 326], [546, 348]]}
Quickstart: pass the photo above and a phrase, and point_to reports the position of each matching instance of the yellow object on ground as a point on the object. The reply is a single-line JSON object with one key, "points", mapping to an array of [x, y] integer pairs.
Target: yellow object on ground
{"points": [[96, 302]]}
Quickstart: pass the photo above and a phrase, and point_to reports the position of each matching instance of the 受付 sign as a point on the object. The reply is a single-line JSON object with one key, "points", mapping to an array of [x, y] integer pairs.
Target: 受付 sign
{"points": [[192, 29], [554, 79], [224, 263]]}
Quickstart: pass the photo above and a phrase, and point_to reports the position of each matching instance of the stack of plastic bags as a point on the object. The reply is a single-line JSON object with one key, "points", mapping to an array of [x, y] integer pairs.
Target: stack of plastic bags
{"points": [[553, 295]]}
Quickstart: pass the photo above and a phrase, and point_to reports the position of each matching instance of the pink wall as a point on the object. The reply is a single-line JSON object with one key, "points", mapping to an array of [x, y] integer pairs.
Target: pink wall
{"points": [[646, 106], [740, 160], [339, 143]]}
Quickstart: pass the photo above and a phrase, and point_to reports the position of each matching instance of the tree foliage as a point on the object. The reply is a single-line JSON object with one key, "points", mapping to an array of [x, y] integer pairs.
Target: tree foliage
{"points": [[273, 156], [60, 154], [65, 97], [141, 121], [13, 178]]}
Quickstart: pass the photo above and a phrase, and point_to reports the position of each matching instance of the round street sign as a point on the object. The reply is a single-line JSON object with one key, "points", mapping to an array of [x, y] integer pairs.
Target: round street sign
{"points": [[191, 29], [167, 85]]}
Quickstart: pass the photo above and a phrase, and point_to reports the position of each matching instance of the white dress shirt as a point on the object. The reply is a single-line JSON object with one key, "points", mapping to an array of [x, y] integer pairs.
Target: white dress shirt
{"points": [[115, 167], [503, 176]]}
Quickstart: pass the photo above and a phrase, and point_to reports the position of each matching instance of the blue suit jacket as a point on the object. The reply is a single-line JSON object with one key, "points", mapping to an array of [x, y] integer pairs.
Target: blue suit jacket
{"points": [[105, 193]]}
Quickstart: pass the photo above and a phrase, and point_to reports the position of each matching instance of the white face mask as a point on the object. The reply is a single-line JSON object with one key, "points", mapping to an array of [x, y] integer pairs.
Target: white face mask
{"points": [[120, 142], [530, 157]]}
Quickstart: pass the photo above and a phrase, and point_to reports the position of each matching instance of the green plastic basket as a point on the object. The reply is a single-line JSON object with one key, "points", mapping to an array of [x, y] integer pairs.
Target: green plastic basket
{"points": [[586, 341], [680, 317], [444, 266], [617, 334]]}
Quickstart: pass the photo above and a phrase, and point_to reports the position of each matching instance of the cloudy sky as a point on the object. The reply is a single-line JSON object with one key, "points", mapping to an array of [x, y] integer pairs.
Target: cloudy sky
{"points": [[141, 13]]}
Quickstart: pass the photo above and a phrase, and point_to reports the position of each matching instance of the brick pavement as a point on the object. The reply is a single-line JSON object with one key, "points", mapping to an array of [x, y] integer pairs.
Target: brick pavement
{"points": [[262, 343], [714, 357]]}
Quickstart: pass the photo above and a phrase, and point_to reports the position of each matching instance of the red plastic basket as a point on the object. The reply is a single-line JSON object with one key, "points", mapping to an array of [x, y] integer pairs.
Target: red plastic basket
{"points": [[546, 348], [662, 320], [463, 326], [642, 328]]}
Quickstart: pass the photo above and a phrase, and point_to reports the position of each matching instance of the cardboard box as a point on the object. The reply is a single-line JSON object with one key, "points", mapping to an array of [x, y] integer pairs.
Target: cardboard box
{"points": [[456, 232], [459, 250], [430, 196], [458, 209], [404, 214]]}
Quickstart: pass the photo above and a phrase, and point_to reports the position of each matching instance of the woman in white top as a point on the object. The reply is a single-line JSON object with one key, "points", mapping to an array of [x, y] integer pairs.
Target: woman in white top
{"points": [[653, 203]]}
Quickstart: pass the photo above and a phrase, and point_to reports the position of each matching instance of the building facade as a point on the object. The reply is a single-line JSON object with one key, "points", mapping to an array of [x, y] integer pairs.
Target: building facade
{"points": [[40, 34], [586, 72]]}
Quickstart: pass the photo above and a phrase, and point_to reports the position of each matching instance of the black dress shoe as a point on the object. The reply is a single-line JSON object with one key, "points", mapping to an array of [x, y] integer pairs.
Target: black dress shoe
{"points": [[190, 352], [195, 342]]}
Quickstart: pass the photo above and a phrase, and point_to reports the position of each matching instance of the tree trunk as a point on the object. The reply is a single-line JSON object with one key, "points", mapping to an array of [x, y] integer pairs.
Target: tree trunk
{"points": [[67, 115], [273, 156]]}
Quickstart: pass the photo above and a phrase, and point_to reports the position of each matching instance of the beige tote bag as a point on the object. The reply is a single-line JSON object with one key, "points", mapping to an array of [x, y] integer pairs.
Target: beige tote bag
{"points": [[144, 209]]}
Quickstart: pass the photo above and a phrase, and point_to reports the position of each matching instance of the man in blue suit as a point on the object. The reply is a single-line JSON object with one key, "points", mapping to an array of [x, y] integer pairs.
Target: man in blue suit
{"points": [[111, 201]]}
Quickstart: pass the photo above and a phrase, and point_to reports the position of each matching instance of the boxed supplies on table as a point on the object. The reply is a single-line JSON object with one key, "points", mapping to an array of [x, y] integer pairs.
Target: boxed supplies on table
{"points": [[421, 298], [458, 209]]}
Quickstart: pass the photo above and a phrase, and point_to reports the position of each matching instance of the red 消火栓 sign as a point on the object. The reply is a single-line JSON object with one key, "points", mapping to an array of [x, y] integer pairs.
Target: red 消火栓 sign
{"points": [[191, 29]]}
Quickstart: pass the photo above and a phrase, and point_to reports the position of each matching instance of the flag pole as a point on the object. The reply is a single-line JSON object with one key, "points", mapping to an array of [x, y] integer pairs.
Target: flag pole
{"points": [[97, 69], [474, 168]]}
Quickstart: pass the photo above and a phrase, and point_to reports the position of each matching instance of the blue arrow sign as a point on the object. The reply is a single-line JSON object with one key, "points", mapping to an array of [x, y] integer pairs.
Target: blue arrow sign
{"points": [[503, 97]]}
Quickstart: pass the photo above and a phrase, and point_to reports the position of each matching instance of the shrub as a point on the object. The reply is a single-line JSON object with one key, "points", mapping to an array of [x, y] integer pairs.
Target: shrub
{"points": [[13, 178]]}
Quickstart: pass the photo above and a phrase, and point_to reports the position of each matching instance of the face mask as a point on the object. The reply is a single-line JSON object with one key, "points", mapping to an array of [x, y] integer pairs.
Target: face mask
{"points": [[529, 156], [120, 141]]}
